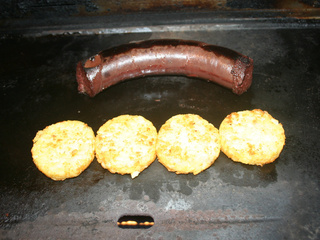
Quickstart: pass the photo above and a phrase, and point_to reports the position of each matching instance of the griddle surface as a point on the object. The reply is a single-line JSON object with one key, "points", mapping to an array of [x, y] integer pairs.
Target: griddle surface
{"points": [[227, 201]]}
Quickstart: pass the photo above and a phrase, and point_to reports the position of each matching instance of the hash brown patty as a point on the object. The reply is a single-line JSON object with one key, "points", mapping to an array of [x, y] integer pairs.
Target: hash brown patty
{"points": [[64, 149], [187, 143], [252, 137], [126, 144]]}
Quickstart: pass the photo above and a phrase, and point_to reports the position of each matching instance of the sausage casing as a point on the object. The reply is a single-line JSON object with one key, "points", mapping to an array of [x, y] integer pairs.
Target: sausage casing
{"points": [[221, 65]]}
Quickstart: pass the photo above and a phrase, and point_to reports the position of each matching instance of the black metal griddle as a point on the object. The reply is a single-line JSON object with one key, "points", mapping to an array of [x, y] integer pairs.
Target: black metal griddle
{"points": [[227, 201]]}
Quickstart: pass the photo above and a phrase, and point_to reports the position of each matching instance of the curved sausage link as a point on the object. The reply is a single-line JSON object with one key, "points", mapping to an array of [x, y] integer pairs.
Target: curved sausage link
{"points": [[221, 65]]}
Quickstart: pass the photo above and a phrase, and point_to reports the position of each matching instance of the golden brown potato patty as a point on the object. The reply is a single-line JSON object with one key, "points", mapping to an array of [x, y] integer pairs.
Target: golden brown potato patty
{"points": [[126, 144], [252, 137], [187, 143], [64, 149]]}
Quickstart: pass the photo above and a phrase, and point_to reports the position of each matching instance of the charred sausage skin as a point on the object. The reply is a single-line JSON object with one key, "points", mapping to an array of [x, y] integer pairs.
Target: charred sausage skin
{"points": [[221, 65]]}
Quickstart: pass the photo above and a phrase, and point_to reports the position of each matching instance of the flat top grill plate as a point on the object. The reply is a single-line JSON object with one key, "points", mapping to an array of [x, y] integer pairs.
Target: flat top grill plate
{"points": [[228, 200]]}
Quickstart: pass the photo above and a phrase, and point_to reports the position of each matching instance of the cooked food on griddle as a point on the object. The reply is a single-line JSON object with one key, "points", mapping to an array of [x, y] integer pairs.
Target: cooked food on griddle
{"points": [[187, 143], [126, 144], [252, 137], [216, 64], [64, 149]]}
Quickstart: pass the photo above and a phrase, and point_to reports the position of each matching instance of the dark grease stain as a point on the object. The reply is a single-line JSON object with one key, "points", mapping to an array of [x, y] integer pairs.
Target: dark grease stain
{"points": [[156, 179], [239, 174]]}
